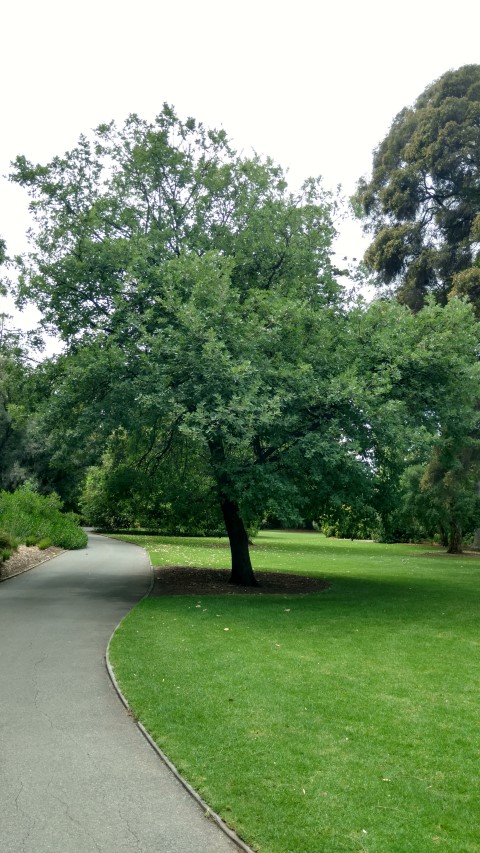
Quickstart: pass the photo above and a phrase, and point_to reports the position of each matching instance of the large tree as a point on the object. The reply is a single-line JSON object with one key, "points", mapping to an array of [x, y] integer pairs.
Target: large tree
{"points": [[422, 206], [422, 202], [196, 299], [423, 373]]}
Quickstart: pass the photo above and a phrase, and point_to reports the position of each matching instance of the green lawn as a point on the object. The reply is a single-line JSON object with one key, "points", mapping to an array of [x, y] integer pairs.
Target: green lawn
{"points": [[346, 720]]}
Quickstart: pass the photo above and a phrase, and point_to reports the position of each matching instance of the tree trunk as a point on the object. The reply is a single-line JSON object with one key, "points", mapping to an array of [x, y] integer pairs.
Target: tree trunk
{"points": [[444, 539], [476, 540], [455, 538], [242, 571], [476, 534]]}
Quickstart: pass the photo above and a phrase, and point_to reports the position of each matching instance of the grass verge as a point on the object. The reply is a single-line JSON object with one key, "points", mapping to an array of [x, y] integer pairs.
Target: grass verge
{"points": [[340, 721]]}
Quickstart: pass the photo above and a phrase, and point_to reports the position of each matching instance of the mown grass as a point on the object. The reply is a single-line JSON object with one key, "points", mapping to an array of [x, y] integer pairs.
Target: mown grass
{"points": [[346, 720]]}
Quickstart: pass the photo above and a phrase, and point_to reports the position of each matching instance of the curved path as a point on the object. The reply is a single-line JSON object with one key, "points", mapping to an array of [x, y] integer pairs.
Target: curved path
{"points": [[76, 775]]}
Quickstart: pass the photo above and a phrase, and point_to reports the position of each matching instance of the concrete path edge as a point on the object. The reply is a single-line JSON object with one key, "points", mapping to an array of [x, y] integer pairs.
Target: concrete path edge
{"points": [[29, 568], [212, 815]]}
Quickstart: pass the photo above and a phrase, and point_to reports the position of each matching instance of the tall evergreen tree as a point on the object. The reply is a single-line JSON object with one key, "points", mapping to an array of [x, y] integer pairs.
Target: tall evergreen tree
{"points": [[422, 202]]}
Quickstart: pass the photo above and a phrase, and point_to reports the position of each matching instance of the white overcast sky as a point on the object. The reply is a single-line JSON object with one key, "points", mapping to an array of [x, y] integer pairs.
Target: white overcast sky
{"points": [[315, 85]]}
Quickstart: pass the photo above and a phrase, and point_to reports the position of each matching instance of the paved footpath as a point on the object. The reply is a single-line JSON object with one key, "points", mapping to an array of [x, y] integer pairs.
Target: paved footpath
{"points": [[76, 775]]}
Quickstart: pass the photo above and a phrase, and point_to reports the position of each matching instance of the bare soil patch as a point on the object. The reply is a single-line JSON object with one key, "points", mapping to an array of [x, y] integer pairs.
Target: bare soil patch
{"points": [[179, 580], [25, 558]]}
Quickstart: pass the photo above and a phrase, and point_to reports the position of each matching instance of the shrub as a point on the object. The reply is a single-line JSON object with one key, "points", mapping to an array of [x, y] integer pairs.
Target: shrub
{"points": [[31, 540], [45, 543], [67, 533], [7, 541], [6, 553], [26, 514], [346, 523], [119, 495]]}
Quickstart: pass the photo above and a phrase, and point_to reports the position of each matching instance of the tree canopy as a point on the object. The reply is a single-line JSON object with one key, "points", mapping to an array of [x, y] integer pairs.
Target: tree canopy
{"points": [[422, 202], [424, 375], [198, 303], [117, 207], [213, 362]]}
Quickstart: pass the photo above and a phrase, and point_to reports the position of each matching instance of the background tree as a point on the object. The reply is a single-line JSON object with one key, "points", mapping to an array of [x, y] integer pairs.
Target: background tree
{"points": [[422, 376], [422, 203], [180, 498], [25, 445], [440, 497], [14, 371]]}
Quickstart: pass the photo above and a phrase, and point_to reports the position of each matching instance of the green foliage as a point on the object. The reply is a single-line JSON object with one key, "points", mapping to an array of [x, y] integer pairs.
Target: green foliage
{"points": [[25, 513], [45, 543], [421, 203], [30, 541], [113, 210], [7, 540], [423, 376], [181, 495], [13, 374], [347, 523], [24, 447], [198, 302], [210, 350], [8, 545], [467, 284]]}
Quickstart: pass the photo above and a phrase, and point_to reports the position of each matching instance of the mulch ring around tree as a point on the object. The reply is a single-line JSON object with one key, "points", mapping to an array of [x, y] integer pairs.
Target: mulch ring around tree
{"points": [[179, 580]]}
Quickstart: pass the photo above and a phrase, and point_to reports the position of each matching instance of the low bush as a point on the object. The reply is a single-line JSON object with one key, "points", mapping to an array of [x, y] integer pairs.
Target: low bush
{"points": [[45, 543], [67, 533], [6, 540], [178, 502], [5, 554], [30, 541], [26, 515]]}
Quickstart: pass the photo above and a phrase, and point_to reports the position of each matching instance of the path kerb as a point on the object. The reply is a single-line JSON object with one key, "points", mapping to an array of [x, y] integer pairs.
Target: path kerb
{"points": [[212, 815]]}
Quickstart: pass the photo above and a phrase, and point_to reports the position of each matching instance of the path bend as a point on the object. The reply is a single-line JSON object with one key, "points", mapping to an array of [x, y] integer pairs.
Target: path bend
{"points": [[76, 775]]}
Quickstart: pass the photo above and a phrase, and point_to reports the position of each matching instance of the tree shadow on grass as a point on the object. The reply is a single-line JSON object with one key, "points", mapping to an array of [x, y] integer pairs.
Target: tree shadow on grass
{"points": [[350, 600]]}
